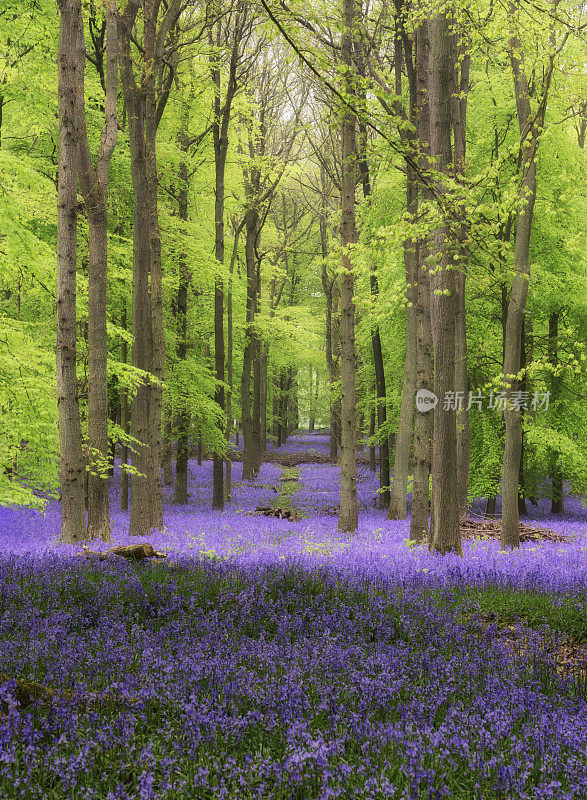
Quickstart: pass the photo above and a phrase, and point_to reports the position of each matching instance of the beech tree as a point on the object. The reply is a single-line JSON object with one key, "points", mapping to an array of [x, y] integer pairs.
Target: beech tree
{"points": [[530, 126], [445, 529], [94, 186], [230, 34], [348, 514], [145, 98], [73, 514]]}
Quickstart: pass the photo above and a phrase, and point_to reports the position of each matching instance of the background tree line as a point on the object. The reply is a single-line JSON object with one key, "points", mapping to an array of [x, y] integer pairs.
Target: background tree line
{"points": [[268, 214]]}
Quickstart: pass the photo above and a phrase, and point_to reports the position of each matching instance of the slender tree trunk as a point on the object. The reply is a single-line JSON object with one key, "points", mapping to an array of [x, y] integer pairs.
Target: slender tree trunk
{"points": [[250, 345], [229, 369], [167, 456], [221, 119], [263, 395], [445, 531], [556, 477], [183, 417], [125, 420], [348, 514], [372, 459], [460, 91], [94, 186], [329, 287], [522, 509], [529, 131], [384, 480], [73, 517], [311, 415]]}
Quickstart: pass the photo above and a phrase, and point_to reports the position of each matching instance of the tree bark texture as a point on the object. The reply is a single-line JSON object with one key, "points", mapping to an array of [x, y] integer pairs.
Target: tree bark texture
{"points": [[73, 517], [445, 531], [183, 416], [529, 132], [94, 186], [460, 91], [423, 422], [556, 476], [140, 516], [124, 419], [348, 513]]}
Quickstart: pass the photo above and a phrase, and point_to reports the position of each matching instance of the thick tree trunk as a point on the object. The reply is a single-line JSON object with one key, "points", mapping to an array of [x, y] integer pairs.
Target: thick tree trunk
{"points": [[348, 514], [423, 421], [139, 100], [445, 529], [73, 517], [140, 518], [156, 294]]}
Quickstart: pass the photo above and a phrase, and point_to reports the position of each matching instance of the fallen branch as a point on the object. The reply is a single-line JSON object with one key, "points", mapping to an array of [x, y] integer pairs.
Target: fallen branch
{"points": [[473, 527]]}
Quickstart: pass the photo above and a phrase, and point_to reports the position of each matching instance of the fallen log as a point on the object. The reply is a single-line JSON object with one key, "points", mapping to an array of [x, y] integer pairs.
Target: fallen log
{"points": [[280, 513], [135, 552]]}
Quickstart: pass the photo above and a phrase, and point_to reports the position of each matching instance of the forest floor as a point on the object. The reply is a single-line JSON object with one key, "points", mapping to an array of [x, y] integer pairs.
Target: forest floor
{"points": [[274, 657]]}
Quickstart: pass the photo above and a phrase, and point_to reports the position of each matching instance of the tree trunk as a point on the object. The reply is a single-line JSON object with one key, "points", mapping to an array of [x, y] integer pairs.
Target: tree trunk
{"points": [[220, 123], [420, 278], [311, 414], [229, 369], [263, 395], [445, 529], [134, 95], [348, 514], [522, 509], [372, 459], [94, 186], [124, 419], [329, 287], [183, 419], [252, 219], [73, 518], [167, 456], [399, 487], [460, 91], [157, 343], [556, 477], [529, 131]]}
